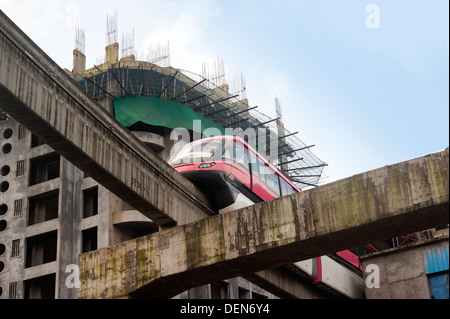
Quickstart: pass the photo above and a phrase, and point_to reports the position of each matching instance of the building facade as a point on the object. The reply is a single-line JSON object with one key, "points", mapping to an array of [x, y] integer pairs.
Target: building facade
{"points": [[418, 270]]}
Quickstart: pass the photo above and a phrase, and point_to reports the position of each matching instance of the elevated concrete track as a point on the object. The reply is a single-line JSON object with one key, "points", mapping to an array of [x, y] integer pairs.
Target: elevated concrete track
{"points": [[379, 204]]}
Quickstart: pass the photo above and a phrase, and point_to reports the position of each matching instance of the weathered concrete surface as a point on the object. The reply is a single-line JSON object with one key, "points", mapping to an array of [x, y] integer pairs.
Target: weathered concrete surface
{"points": [[380, 204], [43, 98], [402, 271]]}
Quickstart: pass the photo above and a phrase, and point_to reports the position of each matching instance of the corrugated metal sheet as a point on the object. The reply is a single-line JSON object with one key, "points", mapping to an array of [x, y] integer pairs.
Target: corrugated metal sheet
{"points": [[436, 258], [439, 285]]}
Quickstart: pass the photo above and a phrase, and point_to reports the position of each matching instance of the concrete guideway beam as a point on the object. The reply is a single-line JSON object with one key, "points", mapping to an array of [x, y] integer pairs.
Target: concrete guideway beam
{"points": [[42, 97], [380, 204]]}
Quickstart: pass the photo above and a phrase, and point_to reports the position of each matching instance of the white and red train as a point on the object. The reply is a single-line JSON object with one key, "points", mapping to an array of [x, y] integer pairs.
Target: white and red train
{"points": [[233, 175]]}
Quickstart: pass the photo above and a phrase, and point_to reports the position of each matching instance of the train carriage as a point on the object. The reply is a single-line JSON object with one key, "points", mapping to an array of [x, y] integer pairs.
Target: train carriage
{"points": [[230, 172]]}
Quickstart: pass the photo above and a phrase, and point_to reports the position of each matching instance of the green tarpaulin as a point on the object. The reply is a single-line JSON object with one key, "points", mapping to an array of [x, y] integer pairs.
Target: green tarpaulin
{"points": [[160, 112]]}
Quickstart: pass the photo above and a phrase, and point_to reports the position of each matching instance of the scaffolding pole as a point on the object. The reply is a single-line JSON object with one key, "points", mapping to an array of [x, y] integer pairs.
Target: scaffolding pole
{"points": [[217, 112], [224, 118], [264, 123], [234, 123], [192, 87], [309, 167], [99, 87], [295, 160], [193, 99], [120, 83], [303, 176], [305, 183], [218, 101], [284, 136], [168, 83], [299, 149]]}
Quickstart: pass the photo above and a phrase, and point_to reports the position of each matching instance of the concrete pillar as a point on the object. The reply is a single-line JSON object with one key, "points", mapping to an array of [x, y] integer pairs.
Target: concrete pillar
{"points": [[244, 101], [66, 245], [112, 53], [79, 62], [201, 292]]}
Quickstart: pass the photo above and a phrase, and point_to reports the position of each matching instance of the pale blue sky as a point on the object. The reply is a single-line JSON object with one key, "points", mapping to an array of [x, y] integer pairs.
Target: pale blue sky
{"points": [[365, 97]]}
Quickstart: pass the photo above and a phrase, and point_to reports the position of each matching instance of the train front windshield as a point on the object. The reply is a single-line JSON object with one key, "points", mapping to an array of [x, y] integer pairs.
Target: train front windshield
{"points": [[202, 151]]}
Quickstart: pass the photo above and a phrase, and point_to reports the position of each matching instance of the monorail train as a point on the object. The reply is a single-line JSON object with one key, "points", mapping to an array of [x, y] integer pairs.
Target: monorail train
{"points": [[230, 172], [233, 175]]}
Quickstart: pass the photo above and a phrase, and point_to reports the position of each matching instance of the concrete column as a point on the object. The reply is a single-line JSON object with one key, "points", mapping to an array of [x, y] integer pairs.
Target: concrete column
{"points": [[112, 53], [65, 245], [79, 62], [201, 292]]}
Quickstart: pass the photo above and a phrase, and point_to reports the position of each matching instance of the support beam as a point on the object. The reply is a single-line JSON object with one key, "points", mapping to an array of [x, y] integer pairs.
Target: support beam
{"points": [[383, 203], [304, 183], [296, 150], [217, 112], [168, 83], [234, 114], [218, 101], [41, 96], [287, 135], [191, 88], [98, 86], [272, 120], [120, 83], [307, 167], [294, 176], [294, 160], [237, 122], [193, 99]]}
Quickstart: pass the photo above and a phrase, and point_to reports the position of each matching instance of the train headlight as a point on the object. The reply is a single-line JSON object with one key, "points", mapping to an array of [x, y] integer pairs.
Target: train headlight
{"points": [[207, 165]]}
